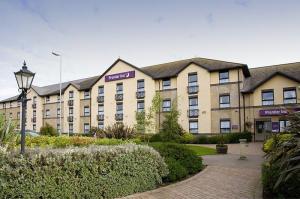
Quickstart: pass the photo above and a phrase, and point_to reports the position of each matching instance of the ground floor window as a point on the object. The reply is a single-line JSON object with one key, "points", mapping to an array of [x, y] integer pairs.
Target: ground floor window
{"points": [[101, 125], [193, 126], [58, 127], [283, 124], [86, 127], [71, 128], [34, 127], [166, 106], [225, 126], [140, 106]]}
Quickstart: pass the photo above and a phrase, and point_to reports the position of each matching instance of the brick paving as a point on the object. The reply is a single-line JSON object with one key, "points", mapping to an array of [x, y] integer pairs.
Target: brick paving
{"points": [[225, 177]]}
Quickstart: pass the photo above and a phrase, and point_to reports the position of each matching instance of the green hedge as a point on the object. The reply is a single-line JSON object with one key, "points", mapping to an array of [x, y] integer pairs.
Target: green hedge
{"points": [[65, 141], [180, 159], [228, 138], [94, 172]]}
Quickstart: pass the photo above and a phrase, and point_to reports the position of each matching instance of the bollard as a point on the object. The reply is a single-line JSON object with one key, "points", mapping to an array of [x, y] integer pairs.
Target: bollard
{"points": [[243, 145]]}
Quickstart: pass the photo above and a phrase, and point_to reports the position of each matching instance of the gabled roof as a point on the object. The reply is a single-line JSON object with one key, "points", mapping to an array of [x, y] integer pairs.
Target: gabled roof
{"points": [[172, 69], [80, 84], [262, 74]]}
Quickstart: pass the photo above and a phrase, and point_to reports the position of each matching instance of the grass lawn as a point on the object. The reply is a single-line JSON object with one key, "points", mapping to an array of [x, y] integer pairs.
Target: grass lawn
{"points": [[201, 150]]}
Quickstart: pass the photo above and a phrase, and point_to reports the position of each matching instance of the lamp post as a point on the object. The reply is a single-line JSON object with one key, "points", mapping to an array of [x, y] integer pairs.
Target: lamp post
{"points": [[24, 79], [60, 68]]}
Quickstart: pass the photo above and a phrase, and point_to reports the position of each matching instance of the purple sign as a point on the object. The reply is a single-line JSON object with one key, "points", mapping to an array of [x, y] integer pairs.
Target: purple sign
{"points": [[118, 76], [275, 127], [273, 112]]}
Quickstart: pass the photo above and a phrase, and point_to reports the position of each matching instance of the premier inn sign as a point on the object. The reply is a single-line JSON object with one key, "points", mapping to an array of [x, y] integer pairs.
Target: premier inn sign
{"points": [[273, 112], [119, 76]]}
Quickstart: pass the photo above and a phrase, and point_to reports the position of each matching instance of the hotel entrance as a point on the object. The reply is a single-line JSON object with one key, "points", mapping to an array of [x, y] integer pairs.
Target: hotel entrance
{"points": [[263, 129]]}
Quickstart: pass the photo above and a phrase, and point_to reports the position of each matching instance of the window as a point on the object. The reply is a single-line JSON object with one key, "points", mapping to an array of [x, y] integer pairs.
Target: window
{"points": [[71, 111], [140, 85], [193, 103], [70, 127], [193, 126], [47, 113], [166, 84], [119, 88], [224, 101], [267, 97], [223, 77], [10, 104], [58, 127], [18, 115], [100, 110], [193, 80], [86, 94], [140, 106], [166, 105], [100, 125], [58, 112], [58, 98], [86, 127], [289, 96], [225, 126], [119, 108], [283, 124], [47, 98], [34, 127], [33, 113], [71, 94], [34, 100], [86, 110], [101, 91]]}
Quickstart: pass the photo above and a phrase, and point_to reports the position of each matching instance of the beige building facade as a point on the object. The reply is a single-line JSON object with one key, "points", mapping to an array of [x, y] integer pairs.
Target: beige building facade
{"points": [[212, 96]]}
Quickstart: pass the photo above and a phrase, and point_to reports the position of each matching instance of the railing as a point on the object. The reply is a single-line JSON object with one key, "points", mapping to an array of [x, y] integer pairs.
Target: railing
{"points": [[119, 116], [192, 89], [34, 105], [140, 94], [119, 97], [70, 118], [70, 102], [100, 117], [193, 112], [100, 99]]}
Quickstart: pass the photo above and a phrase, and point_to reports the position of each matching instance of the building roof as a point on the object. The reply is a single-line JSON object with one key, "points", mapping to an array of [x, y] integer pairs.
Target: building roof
{"points": [[172, 69], [262, 74], [80, 84], [14, 98]]}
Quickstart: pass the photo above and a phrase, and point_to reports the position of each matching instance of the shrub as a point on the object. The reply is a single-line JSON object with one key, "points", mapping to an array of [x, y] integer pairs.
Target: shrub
{"points": [[119, 131], [48, 130], [183, 156], [7, 135], [227, 138], [281, 172], [188, 138], [94, 172]]}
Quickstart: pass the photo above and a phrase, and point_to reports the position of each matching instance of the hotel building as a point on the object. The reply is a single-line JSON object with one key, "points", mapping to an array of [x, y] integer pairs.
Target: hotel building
{"points": [[212, 97]]}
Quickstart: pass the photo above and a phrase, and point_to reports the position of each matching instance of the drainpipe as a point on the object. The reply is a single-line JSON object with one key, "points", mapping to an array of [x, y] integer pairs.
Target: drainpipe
{"points": [[244, 111], [239, 90]]}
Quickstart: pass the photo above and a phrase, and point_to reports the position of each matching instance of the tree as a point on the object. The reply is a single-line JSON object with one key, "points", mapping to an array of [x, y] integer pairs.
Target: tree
{"points": [[294, 120], [48, 130]]}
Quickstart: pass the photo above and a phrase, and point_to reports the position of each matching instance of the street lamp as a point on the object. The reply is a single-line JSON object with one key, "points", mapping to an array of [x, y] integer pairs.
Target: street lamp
{"points": [[24, 79], [60, 108]]}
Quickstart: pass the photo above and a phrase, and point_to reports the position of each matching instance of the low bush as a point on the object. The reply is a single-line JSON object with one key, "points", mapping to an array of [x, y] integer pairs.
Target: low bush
{"points": [[48, 130], [281, 171], [65, 141], [180, 159], [188, 138], [117, 130], [94, 172], [227, 138]]}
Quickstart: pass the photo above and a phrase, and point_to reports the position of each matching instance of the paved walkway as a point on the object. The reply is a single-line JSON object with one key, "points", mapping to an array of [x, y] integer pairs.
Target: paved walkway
{"points": [[225, 177]]}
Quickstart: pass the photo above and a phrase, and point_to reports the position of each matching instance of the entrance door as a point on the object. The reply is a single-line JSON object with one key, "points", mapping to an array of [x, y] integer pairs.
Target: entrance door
{"points": [[263, 129]]}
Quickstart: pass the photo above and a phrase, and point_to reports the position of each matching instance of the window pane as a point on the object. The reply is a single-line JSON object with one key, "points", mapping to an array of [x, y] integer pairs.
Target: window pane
{"points": [[193, 101], [225, 124], [192, 78], [100, 90], [166, 84], [140, 85], [267, 95], [290, 94]]}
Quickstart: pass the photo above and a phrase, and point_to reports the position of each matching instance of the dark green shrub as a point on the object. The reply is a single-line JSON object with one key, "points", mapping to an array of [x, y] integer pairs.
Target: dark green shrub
{"points": [[176, 170], [227, 138], [48, 130], [188, 138], [235, 137], [202, 139], [94, 172], [187, 158], [97, 132]]}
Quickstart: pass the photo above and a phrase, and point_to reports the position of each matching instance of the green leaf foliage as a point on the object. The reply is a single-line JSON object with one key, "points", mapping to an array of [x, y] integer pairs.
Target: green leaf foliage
{"points": [[93, 172]]}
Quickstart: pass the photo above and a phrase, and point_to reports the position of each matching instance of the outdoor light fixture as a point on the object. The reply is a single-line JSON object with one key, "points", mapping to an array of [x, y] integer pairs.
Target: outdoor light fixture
{"points": [[24, 79]]}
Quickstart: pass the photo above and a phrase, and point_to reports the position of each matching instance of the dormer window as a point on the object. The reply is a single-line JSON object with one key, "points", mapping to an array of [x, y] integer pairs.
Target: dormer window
{"points": [[223, 77]]}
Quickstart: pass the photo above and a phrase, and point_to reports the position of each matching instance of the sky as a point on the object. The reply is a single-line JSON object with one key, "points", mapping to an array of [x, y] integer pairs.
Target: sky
{"points": [[91, 34]]}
